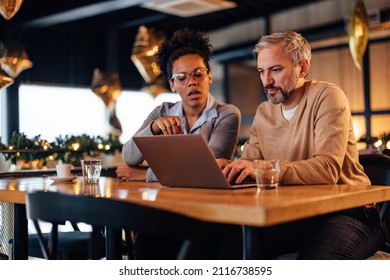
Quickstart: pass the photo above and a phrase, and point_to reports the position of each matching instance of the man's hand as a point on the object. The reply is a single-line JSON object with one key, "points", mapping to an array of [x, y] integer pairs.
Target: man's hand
{"points": [[236, 171]]}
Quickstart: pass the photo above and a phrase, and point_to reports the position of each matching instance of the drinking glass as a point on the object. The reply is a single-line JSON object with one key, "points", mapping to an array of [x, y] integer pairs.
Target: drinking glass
{"points": [[267, 173], [91, 170]]}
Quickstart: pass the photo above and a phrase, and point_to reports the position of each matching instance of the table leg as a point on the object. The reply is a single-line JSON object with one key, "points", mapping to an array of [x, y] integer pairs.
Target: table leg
{"points": [[251, 238], [20, 240], [113, 244]]}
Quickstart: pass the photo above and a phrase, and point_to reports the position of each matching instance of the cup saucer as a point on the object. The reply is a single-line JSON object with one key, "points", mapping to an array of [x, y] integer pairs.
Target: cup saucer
{"points": [[63, 179]]}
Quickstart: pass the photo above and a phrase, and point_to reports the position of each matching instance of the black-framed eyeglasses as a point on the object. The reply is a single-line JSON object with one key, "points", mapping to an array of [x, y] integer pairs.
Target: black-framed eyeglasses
{"points": [[199, 74]]}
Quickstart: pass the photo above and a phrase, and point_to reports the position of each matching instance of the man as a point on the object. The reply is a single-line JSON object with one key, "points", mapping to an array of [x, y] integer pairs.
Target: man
{"points": [[307, 125]]}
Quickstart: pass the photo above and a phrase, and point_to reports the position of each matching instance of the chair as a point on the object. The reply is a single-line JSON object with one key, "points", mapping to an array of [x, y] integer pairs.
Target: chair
{"points": [[71, 245], [377, 168], [55, 208]]}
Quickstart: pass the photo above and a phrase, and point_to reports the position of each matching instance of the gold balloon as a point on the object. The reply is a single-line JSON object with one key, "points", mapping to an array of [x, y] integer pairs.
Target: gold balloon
{"points": [[8, 8], [14, 60], [144, 50], [108, 88], [358, 32], [5, 80], [156, 88]]}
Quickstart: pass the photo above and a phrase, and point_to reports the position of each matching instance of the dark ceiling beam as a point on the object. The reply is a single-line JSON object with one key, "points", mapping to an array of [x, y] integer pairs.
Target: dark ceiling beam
{"points": [[82, 13], [234, 53], [144, 20]]}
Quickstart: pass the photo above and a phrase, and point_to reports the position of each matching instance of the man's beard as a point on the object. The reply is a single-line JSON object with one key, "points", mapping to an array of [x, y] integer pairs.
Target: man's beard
{"points": [[282, 95]]}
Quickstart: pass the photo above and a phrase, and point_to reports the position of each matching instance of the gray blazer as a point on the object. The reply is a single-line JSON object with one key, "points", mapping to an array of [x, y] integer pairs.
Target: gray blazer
{"points": [[219, 124]]}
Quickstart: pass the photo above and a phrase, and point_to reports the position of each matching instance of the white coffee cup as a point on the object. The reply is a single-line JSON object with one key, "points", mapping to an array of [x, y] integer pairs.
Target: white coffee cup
{"points": [[63, 170]]}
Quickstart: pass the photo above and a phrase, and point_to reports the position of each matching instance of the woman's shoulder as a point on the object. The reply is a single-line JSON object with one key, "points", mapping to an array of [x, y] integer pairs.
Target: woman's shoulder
{"points": [[227, 108], [166, 105]]}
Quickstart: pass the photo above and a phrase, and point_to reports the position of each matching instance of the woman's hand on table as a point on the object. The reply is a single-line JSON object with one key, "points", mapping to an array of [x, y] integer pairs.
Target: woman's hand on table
{"points": [[131, 173]]}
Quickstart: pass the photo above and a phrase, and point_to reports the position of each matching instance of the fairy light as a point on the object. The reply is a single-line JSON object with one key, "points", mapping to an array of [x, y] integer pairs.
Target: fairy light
{"points": [[29, 153], [378, 143], [75, 146]]}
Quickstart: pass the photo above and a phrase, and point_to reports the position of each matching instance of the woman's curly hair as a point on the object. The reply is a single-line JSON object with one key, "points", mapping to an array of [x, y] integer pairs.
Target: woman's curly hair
{"points": [[183, 41]]}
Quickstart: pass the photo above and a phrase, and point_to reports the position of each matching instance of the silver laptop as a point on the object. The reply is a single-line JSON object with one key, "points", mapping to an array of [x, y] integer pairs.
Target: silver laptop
{"points": [[183, 161]]}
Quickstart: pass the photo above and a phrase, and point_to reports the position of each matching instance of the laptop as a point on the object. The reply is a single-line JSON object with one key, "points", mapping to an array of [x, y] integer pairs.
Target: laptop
{"points": [[184, 161]]}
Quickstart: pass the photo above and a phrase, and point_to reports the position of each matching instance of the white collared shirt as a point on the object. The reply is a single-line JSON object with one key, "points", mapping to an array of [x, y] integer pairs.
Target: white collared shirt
{"points": [[209, 112]]}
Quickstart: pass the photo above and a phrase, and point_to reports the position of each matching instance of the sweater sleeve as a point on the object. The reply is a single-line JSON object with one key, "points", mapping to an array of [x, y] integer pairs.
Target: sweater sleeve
{"points": [[223, 138], [130, 152]]}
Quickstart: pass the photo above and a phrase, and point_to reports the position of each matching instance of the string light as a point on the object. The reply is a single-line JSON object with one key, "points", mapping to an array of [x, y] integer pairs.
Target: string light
{"points": [[75, 146], [66, 149], [378, 143]]}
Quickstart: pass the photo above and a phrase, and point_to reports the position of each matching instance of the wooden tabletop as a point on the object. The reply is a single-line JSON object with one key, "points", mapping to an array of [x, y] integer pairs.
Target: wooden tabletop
{"points": [[241, 206]]}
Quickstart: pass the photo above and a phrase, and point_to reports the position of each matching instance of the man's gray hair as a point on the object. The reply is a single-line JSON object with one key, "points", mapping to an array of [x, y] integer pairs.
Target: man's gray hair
{"points": [[293, 43]]}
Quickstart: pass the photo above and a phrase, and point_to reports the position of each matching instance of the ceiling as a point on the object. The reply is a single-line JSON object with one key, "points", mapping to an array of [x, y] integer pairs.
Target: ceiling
{"points": [[67, 39]]}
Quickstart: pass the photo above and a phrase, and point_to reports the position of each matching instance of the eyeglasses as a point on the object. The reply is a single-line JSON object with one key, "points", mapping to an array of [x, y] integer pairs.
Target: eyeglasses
{"points": [[199, 74]]}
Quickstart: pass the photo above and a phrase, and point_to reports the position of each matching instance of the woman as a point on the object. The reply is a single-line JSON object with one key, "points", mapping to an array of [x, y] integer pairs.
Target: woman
{"points": [[184, 63]]}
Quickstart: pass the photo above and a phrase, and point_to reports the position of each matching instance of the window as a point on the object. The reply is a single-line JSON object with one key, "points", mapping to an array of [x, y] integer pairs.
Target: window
{"points": [[53, 111], [336, 65], [132, 108]]}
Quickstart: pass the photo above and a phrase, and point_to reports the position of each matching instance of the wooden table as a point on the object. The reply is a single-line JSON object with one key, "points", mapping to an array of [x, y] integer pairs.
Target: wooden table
{"points": [[249, 207]]}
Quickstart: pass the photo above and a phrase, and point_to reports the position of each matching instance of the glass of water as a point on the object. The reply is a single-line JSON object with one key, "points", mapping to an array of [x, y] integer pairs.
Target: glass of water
{"points": [[267, 173], [91, 170]]}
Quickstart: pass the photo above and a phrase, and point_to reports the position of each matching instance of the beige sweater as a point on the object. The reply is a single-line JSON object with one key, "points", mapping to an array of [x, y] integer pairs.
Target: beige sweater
{"points": [[317, 146]]}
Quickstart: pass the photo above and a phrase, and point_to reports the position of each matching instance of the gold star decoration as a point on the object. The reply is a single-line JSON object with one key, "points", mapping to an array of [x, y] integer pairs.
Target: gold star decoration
{"points": [[108, 88], [5, 79], [14, 59], [145, 48], [8, 8]]}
